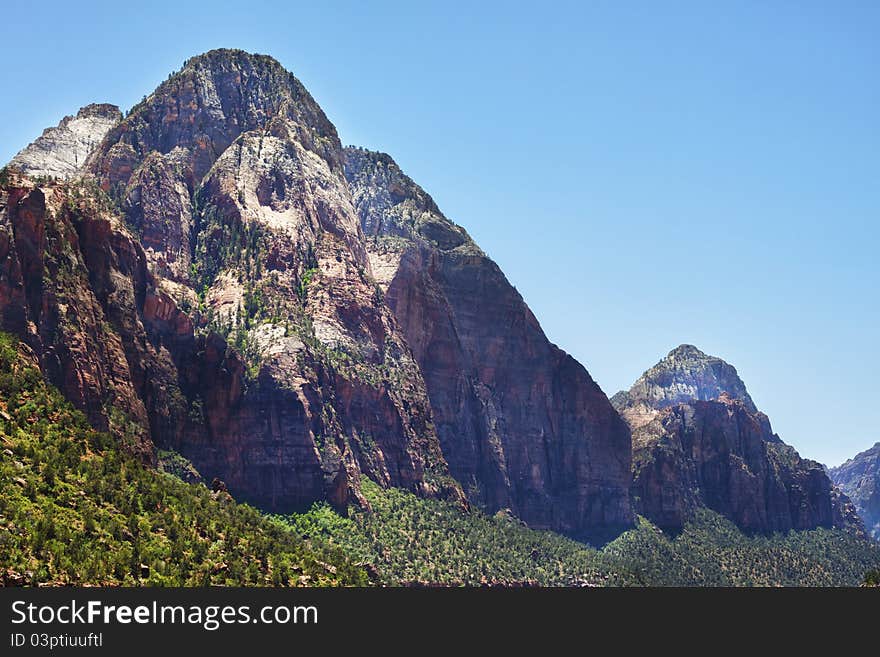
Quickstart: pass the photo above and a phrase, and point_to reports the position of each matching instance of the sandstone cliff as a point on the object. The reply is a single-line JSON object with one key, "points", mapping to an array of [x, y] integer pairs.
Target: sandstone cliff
{"points": [[522, 424], [698, 440], [220, 300]]}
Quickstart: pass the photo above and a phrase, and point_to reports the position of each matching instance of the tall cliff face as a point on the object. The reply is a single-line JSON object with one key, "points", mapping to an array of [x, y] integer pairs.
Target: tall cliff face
{"points": [[70, 311], [223, 279], [698, 440], [859, 479], [522, 424]]}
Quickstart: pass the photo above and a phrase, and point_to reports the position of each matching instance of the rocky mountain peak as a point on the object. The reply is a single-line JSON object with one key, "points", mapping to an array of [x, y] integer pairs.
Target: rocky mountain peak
{"points": [[685, 374], [686, 351], [204, 107], [226, 58], [698, 441], [301, 316]]}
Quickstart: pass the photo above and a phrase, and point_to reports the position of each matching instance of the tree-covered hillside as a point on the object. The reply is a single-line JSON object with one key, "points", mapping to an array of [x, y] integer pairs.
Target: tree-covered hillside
{"points": [[414, 541], [74, 509]]}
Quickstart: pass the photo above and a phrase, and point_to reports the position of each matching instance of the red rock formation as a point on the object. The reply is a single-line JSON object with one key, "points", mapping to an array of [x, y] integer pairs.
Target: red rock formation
{"points": [[522, 424], [719, 451], [64, 316]]}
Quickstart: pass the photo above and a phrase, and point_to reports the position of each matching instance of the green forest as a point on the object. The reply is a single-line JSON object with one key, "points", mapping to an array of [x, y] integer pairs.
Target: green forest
{"points": [[421, 542]]}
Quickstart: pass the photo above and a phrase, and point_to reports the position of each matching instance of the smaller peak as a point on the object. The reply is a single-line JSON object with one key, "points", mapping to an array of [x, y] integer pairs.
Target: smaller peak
{"points": [[688, 374], [61, 151]]}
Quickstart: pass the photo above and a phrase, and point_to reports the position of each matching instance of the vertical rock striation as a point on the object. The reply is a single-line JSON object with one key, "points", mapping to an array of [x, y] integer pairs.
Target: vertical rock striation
{"points": [[522, 424]]}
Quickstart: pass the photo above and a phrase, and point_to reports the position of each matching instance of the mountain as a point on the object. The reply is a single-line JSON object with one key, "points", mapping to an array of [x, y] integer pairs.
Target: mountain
{"points": [[213, 274], [77, 509], [210, 288], [859, 479], [685, 375], [700, 442]]}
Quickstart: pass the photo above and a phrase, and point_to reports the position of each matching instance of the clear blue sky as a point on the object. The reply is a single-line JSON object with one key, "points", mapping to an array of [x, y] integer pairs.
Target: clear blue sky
{"points": [[645, 173]]}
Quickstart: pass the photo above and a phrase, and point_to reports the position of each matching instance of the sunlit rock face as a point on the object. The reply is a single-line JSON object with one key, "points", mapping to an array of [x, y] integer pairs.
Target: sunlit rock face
{"points": [[208, 290], [213, 273]]}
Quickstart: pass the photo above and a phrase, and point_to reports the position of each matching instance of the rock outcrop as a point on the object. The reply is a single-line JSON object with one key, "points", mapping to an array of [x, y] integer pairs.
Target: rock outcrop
{"points": [[222, 280], [698, 440], [522, 424], [859, 479], [62, 151]]}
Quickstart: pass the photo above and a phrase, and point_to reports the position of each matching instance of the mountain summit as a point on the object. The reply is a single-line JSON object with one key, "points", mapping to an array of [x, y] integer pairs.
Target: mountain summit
{"points": [[686, 374], [222, 279]]}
